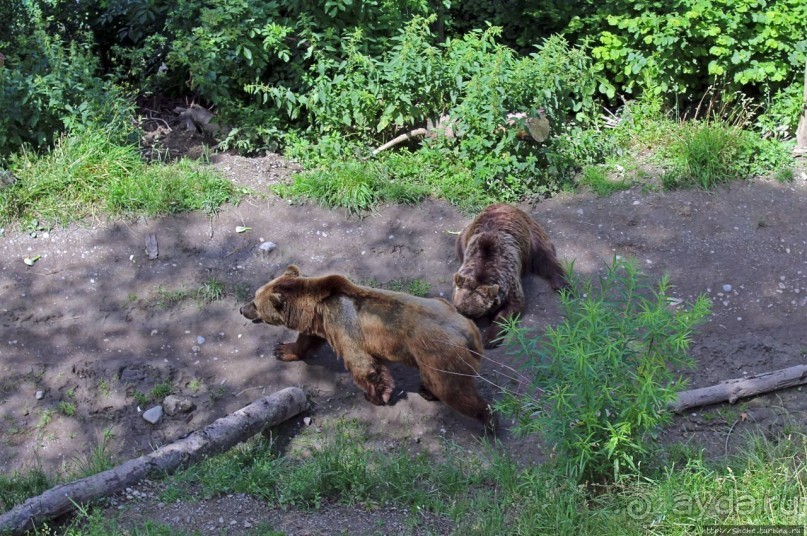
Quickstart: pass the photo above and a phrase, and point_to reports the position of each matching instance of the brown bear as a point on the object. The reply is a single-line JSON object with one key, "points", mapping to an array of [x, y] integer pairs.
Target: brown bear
{"points": [[367, 326], [496, 249]]}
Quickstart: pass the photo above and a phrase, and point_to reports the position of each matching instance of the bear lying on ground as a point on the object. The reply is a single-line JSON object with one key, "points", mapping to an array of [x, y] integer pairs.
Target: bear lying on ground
{"points": [[367, 326], [496, 249]]}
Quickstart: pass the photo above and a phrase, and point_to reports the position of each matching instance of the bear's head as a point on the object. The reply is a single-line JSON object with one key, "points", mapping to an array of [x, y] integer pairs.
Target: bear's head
{"points": [[270, 304], [472, 299]]}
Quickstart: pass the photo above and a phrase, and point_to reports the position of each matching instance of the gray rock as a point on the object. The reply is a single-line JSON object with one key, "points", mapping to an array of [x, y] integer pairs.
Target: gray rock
{"points": [[200, 340], [174, 404], [267, 246], [40, 395], [153, 415]]}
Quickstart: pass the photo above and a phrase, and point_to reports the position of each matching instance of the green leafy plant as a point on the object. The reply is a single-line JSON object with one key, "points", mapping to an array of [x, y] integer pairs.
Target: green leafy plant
{"points": [[667, 48], [67, 408], [161, 390], [604, 376], [211, 290]]}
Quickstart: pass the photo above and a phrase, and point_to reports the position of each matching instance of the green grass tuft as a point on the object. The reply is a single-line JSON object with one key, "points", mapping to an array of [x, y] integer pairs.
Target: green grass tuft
{"points": [[89, 175]]}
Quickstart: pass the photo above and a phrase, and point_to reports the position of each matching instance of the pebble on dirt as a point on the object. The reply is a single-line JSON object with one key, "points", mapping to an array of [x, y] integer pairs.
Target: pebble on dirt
{"points": [[153, 415]]}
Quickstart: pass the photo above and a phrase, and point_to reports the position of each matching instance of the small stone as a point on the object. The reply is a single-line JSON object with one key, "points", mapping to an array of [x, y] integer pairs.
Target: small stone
{"points": [[726, 288], [267, 247], [200, 340], [195, 348], [153, 415], [174, 404], [40, 395], [307, 421]]}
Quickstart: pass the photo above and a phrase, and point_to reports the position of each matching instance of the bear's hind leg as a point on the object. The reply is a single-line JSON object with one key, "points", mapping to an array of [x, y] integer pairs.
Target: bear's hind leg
{"points": [[458, 391]]}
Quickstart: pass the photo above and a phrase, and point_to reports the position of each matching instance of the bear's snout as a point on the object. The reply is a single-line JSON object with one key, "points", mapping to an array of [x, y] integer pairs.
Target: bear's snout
{"points": [[250, 312]]}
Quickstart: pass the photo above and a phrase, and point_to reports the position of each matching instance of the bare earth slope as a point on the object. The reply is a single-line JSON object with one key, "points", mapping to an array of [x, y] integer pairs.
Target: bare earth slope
{"points": [[97, 325]]}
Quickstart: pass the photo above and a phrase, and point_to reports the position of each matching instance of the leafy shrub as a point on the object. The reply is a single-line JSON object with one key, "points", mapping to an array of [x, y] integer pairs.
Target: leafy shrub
{"points": [[473, 83], [671, 47], [50, 85], [607, 372]]}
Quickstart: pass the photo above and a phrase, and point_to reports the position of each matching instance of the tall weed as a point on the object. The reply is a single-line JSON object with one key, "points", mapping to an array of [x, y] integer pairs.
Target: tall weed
{"points": [[602, 379]]}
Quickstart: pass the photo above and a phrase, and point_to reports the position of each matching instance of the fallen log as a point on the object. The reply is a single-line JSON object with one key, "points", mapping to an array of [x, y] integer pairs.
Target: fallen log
{"points": [[732, 390], [213, 439]]}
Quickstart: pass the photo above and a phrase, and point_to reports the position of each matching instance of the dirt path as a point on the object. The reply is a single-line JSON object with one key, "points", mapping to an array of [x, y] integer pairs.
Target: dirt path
{"points": [[97, 326]]}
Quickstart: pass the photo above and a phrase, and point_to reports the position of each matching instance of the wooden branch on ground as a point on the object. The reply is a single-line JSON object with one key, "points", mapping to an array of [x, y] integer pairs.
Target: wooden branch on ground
{"points": [[406, 136], [732, 390], [213, 439]]}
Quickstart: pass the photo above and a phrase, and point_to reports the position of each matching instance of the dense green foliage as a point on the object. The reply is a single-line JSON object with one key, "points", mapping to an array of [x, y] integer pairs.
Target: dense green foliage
{"points": [[330, 83], [603, 378]]}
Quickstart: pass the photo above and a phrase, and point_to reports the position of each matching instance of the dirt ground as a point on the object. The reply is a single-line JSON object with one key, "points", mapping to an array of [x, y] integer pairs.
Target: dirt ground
{"points": [[97, 326]]}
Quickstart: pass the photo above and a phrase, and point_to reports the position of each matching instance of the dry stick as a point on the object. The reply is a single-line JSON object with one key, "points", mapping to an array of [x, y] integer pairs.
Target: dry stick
{"points": [[213, 439], [417, 133], [733, 390]]}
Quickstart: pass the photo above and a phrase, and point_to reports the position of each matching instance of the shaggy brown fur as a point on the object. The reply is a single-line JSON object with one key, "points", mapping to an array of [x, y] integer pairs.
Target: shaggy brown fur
{"points": [[367, 326], [496, 249]]}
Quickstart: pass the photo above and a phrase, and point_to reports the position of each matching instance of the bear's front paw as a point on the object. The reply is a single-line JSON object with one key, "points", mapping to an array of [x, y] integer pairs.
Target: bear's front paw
{"points": [[284, 352]]}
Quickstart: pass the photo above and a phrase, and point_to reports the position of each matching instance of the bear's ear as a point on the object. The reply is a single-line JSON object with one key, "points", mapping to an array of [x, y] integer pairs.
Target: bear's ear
{"points": [[459, 281], [292, 271]]}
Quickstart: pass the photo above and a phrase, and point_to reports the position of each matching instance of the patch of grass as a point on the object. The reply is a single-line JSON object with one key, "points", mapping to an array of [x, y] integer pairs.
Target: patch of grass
{"points": [[705, 155], [784, 175], [601, 182], [353, 185], [98, 459], [104, 387], [88, 174], [141, 397], [165, 299], [194, 385], [67, 408], [419, 287], [161, 390], [45, 419], [210, 291], [16, 488], [708, 153]]}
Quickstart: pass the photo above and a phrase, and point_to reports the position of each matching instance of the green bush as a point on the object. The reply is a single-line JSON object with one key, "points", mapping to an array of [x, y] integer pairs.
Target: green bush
{"points": [[49, 85], [604, 376], [473, 83], [679, 48]]}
